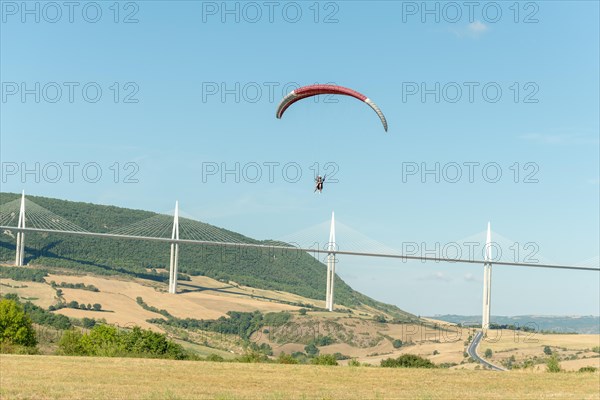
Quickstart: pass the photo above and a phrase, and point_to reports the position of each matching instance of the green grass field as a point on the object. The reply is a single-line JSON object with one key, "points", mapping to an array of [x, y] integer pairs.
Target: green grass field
{"points": [[54, 377]]}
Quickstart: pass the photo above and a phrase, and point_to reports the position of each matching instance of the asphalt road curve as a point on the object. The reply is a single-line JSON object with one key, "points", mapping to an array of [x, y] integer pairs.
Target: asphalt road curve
{"points": [[472, 351]]}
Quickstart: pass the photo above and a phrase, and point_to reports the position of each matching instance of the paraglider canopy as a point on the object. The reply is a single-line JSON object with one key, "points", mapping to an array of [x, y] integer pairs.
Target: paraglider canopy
{"points": [[315, 90]]}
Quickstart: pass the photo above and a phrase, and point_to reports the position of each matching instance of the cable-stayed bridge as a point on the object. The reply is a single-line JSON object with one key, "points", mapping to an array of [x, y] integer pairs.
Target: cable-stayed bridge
{"points": [[24, 216]]}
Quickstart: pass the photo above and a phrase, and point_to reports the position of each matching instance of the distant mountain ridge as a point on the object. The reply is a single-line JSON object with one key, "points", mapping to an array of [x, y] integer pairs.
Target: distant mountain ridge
{"points": [[299, 274], [584, 324]]}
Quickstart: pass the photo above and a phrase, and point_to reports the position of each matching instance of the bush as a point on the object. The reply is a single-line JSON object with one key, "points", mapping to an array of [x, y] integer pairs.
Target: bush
{"points": [[324, 359], [214, 358], [108, 341], [547, 350], [15, 325], [588, 369], [9, 348], [302, 311], [447, 365], [324, 340], [397, 343], [311, 350], [12, 296], [353, 363], [276, 318], [340, 356], [286, 359], [552, 364], [70, 344], [488, 353], [300, 356], [379, 318], [252, 356], [88, 322], [435, 352], [263, 348], [407, 361]]}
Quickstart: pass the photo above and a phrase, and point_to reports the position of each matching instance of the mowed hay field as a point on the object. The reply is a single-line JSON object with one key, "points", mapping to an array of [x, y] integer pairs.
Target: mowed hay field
{"points": [[53, 377]]}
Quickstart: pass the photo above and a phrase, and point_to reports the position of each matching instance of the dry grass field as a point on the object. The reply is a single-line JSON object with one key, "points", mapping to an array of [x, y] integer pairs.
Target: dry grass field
{"points": [[357, 334], [38, 292], [206, 302], [523, 345], [51, 377]]}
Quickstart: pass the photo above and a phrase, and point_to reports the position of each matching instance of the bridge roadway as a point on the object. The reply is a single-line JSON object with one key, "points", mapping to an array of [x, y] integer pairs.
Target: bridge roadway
{"points": [[292, 248]]}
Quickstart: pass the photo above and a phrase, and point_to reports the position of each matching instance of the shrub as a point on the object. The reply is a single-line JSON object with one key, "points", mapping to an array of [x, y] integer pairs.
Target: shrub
{"points": [[300, 356], [547, 350], [107, 341], [588, 369], [15, 325], [214, 358], [88, 322], [407, 361], [9, 348], [70, 344], [276, 318], [263, 348], [340, 356], [324, 340], [11, 296], [397, 343], [552, 364], [488, 353], [302, 311], [447, 365], [324, 359], [311, 349], [379, 318], [435, 352], [252, 356], [286, 359], [353, 363]]}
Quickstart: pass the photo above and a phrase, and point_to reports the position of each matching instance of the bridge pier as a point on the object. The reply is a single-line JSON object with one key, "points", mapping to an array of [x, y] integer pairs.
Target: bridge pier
{"points": [[174, 259], [330, 266], [20, 247], [487, 282]]}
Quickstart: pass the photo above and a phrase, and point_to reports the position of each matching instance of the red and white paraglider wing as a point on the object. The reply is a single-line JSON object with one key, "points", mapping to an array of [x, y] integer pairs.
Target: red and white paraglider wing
{"points": [[315, 90]]}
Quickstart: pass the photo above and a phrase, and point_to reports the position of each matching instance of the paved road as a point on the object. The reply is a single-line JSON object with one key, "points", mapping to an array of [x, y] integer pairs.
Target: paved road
{"points": [[472, 351]]}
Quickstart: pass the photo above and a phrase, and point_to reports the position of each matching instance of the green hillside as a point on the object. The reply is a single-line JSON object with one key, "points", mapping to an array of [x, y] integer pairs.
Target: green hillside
{"points": [[289, 271]]}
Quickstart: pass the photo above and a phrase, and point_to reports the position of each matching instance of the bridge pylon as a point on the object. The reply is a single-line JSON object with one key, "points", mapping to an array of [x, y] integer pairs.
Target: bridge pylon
{"points": [[330, 265], [487, 282], [20, 247], [174, 260]]}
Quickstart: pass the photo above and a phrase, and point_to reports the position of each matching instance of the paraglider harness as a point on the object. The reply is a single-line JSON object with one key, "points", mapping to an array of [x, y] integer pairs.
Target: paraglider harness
{"points": [[319, 183]]}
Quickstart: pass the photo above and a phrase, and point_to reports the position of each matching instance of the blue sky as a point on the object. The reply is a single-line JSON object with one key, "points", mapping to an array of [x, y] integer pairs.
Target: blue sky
{"points": [[198, 88]]}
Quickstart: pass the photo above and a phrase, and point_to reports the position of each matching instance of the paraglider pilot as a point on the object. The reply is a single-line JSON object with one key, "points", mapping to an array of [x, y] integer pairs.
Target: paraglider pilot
{"points": [[319, 180]]}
